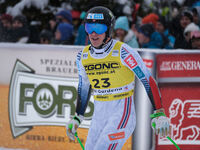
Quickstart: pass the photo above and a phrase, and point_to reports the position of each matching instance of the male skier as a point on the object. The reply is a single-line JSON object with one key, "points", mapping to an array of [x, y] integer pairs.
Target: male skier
{"points": [[108, 68]]}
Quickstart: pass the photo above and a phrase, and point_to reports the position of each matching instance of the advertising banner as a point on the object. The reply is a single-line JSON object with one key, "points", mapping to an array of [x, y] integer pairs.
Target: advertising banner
{"points": [[178, 65], [38, 93], [180, 87]]}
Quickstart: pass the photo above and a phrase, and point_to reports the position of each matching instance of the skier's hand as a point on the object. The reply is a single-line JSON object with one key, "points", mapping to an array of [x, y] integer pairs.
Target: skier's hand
{"points": [[73, 125], [160, 123]]}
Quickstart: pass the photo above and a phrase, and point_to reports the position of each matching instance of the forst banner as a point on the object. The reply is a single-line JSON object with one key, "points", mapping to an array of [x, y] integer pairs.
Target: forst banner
{"points": [[38, 93], [179, 80]]}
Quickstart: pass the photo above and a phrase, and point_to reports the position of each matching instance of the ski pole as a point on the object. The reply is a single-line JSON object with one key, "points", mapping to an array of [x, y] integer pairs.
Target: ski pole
{"points": [[154, 126], [76, 135]]}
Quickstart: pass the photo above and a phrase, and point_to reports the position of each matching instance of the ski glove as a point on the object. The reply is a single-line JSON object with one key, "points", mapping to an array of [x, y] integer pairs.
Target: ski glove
{"points": [[160, 123], [73, 125]]}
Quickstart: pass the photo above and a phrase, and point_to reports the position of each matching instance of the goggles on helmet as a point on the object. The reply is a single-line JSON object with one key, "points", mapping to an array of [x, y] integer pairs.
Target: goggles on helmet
{"points": [[95, 27]]}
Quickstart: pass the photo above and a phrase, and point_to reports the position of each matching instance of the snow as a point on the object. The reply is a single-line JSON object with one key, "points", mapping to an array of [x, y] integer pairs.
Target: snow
{"points": [[18, 8]]}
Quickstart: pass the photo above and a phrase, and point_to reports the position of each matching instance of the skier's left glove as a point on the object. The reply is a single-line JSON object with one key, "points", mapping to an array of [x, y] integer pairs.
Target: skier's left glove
{"points": [[73, 125], [160, 123]]}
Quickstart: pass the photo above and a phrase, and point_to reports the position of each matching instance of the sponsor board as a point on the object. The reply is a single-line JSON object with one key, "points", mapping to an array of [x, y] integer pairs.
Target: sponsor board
{"points": [[182, 107], [41, 100], [35, 113], [181, 65]]}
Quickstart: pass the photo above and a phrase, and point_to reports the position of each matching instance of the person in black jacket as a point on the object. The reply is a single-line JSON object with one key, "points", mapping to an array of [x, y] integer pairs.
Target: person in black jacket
{"points": [[184, 18], [20, 29]]}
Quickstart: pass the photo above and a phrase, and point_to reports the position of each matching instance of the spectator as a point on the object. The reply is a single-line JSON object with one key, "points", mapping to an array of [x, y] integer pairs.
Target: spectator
{"points": [[196, 15], [189, 28], [148, 38], [123, 33], [5, 28], [52, 25], [82, 37], [76, 21], [63, 34], [65, 17], [162, 28], [195, 39], [20, 32], [151, 18], [185, 18], [46, 37]]}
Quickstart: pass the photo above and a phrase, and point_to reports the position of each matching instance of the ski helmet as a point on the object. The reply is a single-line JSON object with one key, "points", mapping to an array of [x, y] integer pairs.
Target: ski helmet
{"points": [[101, 15]]}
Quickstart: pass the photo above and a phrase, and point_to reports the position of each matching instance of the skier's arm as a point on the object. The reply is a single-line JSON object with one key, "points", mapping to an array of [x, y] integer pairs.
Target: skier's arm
{"points": [[84, 88], [132, 59]]}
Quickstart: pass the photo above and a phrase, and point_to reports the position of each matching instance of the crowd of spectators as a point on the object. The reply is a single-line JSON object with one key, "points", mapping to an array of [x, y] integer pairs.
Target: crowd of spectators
{"points": [[179, 31]]}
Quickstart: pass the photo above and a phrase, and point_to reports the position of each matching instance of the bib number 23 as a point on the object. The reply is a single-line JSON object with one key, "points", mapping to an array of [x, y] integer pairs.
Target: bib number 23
{"points": [[103, 82]]}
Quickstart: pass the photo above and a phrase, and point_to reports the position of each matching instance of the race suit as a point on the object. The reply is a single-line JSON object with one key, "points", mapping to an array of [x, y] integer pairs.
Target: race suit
{"points": [[110, 74]]}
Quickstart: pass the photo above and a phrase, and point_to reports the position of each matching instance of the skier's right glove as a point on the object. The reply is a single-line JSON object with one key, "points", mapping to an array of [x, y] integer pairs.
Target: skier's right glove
{"points": [[73, 125], [160, 123]]}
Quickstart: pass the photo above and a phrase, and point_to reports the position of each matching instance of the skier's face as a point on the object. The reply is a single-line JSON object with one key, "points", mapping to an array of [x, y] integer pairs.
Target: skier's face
{"points": [[96, 39]]}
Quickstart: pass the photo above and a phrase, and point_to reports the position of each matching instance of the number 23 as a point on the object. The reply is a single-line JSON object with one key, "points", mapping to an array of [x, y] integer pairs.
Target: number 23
{"points": [[105, 83]]}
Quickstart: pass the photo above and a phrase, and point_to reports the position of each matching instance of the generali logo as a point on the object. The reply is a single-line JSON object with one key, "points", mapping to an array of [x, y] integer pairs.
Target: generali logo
{"points": [[180, 65], [36, 100], [185, 122]]}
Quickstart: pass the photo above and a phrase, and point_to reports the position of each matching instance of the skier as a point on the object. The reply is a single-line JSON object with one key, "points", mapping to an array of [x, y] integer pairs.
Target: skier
{"points": [[108, 68]]}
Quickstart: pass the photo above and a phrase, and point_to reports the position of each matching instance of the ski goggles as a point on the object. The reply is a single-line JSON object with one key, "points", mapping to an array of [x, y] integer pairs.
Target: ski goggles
{"points": [[95, 27]]}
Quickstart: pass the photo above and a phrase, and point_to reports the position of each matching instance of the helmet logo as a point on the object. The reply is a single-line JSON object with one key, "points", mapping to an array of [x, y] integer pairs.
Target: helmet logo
{"points": [[95, 16]]}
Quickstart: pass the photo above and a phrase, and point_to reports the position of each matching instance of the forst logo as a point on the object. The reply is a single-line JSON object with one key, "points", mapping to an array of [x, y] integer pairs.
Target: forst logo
{"points": [[45, 100], [36, 100]]}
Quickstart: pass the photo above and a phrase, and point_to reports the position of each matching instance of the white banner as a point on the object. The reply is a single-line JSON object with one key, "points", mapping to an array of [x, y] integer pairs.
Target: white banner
{"points": [[55, 60]]}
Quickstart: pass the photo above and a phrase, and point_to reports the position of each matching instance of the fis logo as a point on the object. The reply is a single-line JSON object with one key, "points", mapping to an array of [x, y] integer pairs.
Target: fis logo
{"points": [[36, 100]]}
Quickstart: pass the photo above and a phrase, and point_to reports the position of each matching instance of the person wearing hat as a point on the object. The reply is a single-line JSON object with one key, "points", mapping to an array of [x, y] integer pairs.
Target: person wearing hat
{"points": [[189, 28], [64, 26], [63, 34], [195, 39], [150, 18], [20, 29], [64, 16], [148, 37], [46, 37], [123, 33]]}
